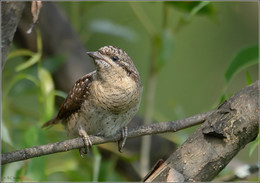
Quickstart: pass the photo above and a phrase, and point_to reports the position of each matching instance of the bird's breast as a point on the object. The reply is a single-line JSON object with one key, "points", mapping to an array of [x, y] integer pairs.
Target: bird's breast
{"points": [[117, 96]]}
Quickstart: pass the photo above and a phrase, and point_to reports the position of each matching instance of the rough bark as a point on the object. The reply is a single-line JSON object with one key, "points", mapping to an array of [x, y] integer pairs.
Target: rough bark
{"points": [[11, 14], [225, 132]]}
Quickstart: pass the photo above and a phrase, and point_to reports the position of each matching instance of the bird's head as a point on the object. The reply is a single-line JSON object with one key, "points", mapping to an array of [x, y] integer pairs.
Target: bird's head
{"points": [[114, 62]]}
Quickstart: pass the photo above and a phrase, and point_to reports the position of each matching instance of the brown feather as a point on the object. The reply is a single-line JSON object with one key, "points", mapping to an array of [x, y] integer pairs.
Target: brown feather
{"points": [[76, 96], [74, 100]]}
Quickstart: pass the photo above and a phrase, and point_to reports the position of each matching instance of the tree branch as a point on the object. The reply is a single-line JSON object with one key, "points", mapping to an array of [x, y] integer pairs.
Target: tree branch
{"points": [[11, 14], [76, 143], [212, 146]]}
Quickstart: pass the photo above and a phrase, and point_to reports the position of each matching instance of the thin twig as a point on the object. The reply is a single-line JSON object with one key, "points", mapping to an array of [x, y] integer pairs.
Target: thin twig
{"points": [[146, 141], [76, 143]]}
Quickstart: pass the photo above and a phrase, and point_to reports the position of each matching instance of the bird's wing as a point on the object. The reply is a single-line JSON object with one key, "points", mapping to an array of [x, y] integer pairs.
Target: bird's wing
{"points": [[73, 102], [76, 96]]}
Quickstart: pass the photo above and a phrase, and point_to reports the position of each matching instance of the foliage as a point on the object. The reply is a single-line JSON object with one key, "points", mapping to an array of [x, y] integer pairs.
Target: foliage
{"points": [[189, 60], [243, 58], [200, 7], [15, 85]]}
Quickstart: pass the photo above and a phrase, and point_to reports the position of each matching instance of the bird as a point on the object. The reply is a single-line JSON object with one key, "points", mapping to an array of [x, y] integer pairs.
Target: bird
{"points": [[104, 101]]}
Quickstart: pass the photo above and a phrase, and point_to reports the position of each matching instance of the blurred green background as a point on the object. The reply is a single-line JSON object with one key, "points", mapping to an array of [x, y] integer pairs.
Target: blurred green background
{"points": [[195, 44]]}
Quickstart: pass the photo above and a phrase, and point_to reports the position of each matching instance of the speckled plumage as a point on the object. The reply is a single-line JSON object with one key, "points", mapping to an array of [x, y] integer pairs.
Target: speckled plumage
{"points": [[104, 101]]}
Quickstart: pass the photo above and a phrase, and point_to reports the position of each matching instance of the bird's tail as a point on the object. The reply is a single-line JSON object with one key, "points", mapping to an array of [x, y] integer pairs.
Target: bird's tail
{"points": [[51, 122]]}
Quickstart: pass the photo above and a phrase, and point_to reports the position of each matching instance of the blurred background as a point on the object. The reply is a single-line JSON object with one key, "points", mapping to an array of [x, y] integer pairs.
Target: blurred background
{"points": [[190, 55]]}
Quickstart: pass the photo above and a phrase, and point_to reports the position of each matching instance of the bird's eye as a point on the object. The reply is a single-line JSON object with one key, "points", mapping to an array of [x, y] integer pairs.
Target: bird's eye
{"points": [[115, 58]]}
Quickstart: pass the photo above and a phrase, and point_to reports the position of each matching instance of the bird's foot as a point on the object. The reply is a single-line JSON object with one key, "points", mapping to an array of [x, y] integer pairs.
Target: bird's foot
{"points": [[87, 142], [122, 141]]}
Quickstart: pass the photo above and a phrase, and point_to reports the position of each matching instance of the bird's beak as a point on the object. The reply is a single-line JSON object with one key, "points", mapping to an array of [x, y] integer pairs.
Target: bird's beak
{"points": [[95, 55]]}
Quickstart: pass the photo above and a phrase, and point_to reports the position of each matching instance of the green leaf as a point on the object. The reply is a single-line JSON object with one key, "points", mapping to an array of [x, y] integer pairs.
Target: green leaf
{"points": [[199, 8], [48, 93], [195, 7], [166, 48], [222, 99], [5, 136], [253, 146], [34, 59], [243, 58], [19, 53], [60, 93], [249, 79], [97, 163], [39, 40]]}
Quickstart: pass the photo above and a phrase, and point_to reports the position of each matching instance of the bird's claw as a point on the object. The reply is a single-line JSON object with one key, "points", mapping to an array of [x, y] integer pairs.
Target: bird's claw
{"points": [[87, 142], [122, 141]]}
